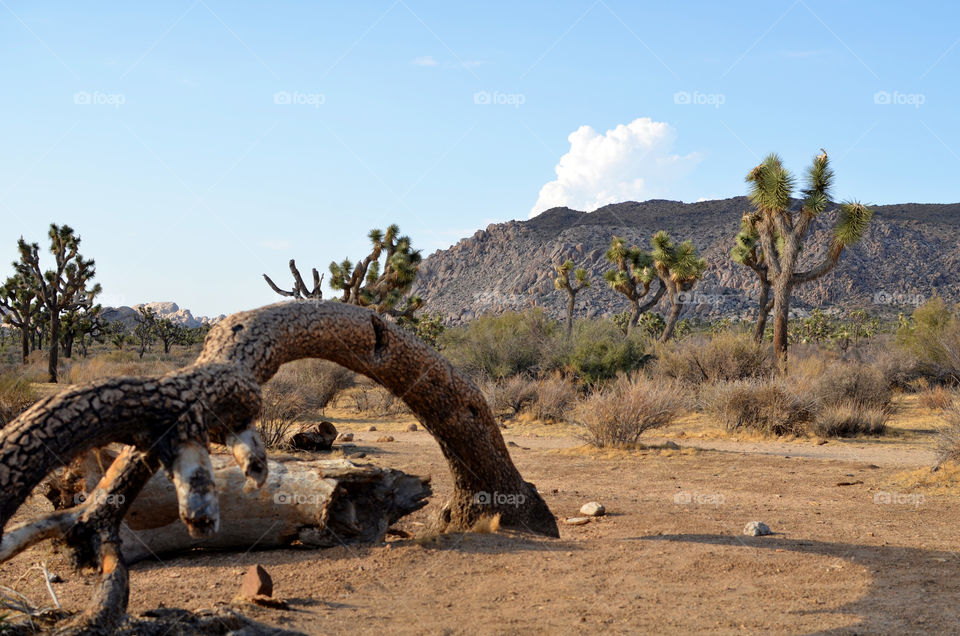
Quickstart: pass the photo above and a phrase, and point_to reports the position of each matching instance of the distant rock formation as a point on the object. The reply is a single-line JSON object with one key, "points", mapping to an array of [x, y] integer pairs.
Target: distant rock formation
{"points": [[128, 315]]}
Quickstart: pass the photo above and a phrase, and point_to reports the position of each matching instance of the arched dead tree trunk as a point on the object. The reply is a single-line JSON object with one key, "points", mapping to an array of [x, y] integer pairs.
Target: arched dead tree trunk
{"points": [[170, 420]]}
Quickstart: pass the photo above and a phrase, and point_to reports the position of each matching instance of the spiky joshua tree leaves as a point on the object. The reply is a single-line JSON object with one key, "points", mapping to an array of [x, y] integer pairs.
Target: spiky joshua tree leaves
{"points": [[632, 277], [562, 282], [679, 268], [382, 288], [782, 230]]}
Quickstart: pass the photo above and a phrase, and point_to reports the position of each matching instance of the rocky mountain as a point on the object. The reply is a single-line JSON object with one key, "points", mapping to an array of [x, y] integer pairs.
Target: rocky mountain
{"points": [[127, 315], [910, 253]]}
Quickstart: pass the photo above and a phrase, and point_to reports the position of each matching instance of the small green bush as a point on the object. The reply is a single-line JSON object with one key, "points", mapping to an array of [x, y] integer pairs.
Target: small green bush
{"points": [[724, 357], [504, 345], [600, 351]]}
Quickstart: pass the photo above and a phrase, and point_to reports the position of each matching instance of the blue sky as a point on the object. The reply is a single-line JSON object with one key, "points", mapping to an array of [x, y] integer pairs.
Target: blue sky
{"points": [[196, 145]]}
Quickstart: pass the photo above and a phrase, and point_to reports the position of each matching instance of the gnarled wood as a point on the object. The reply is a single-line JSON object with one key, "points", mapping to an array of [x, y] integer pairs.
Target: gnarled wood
{"points": [[169, 421]]}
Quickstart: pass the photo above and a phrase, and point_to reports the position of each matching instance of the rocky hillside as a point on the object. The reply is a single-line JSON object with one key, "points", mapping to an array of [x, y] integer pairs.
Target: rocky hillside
{"points": [[127, 315], [910, 252]]}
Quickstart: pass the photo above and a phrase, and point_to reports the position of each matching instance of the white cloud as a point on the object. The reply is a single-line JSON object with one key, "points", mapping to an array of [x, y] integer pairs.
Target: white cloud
{"points": [[425, 60], [631, 162]]}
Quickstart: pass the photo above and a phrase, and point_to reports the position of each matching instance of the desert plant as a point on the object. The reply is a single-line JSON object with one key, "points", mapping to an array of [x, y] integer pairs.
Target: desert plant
{"points": [[555, 397], [600, 352], [504, 345], [859, 384], [284, 403], [21, 308], [771, 407], [516, 393], [932, 336], [747, 251], [322, 381], [849, 418], [723, 357], [16, 396], [620, 413], [948, 437], [562, 282], [937, 398], [632, 277], [781, 232], [679, 268]]}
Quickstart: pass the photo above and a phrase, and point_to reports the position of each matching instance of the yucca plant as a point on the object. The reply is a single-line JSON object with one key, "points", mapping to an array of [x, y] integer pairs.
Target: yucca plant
{"points": [[679, 268], [562, 282], [781, 232], [747, 251], [633, 276]]}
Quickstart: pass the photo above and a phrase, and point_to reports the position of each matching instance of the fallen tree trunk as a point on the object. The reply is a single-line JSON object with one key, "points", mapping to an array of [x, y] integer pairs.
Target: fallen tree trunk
{"points": [[322, 503]]}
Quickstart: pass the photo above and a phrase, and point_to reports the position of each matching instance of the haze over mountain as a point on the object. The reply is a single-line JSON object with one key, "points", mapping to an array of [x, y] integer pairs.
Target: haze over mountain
{"points": [[910, 253]]}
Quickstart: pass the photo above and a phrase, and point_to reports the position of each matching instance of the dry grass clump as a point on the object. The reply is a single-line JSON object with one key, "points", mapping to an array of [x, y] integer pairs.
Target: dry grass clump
{"points": [[853, 398], [514, 394], [554, 399], [847, 419], [322, 381], [116, 363], [617, 415], [937, 398], [771, 407], [284, 402], [948, 438], [16, 396], [724, 357]]}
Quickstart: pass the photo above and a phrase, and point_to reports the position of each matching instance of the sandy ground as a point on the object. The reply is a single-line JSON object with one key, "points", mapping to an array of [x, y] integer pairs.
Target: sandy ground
{"points": [[670, 556]]}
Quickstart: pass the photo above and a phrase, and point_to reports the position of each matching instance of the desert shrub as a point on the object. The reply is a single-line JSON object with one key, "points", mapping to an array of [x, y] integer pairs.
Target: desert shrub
{"points": [[855, 383], [948, 438], [621, 412], [848, 418], [932, 337], [725, 357], [363, 398], [386, 403], [284, 401], [504, 345], [937, 398], [16, 396], [555, 397], [600, 351], [516, 393], [900, 368], [771, 407], [321, 380], [118, 363]]}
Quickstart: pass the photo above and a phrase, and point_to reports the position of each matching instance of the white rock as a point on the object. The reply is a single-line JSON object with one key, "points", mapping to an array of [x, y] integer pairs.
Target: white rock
{"points": [[593, 509], [757, 529]]}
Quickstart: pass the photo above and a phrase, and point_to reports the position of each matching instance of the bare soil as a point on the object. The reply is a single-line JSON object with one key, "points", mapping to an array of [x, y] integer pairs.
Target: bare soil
{"points": [[860, 545]]}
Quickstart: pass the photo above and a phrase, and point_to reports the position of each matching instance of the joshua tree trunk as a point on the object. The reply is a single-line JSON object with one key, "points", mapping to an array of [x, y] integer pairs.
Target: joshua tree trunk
{"points": [[67, 344], [675, 310], [25, 343], [171, 418], [781, 314], [764, 307], [571, 302], [53, 359]]}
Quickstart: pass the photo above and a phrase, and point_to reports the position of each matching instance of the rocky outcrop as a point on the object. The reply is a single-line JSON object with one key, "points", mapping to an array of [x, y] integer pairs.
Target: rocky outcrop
{"points": [[170, 310], [911, 252]]}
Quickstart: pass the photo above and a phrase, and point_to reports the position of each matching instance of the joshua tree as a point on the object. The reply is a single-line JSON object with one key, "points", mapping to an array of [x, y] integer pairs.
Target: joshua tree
{"points": [[782, 230], [117, 332], [62, 288], [747, 251], [300, 289], [367, 286], [146, 329], [562, 281], [77, 322], [679, 268], [168, 332], [632, 278], [18, 298]]}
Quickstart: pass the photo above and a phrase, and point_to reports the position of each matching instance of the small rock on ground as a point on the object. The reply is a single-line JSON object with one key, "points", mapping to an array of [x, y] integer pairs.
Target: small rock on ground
{"points": [[593, 509], [345, 437], [385, 438], [757, 529], [412, 427], [256, 582], [577, 521]]}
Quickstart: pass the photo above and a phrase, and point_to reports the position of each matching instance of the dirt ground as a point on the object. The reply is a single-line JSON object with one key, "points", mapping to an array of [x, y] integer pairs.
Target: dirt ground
{"points": [[860, 544]]}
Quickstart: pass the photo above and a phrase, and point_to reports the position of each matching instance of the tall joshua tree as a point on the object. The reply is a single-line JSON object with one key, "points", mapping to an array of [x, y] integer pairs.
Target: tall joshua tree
{"points": [[18, 298], [632, 277], [62, 288], [782, 230], [366, 285], [679, 268], [562, 281], [747, 251]]}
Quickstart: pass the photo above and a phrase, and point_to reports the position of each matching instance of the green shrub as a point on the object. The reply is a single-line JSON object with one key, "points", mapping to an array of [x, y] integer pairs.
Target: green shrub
{"points": [[620, 413], [504, 345], [932, 336], [600, 351]]}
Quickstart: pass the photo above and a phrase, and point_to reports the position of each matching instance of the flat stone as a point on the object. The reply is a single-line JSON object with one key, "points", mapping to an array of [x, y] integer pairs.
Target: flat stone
{"points": [[577, 521]]}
